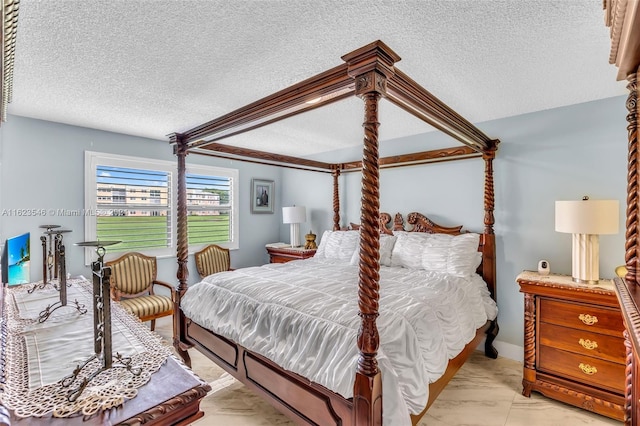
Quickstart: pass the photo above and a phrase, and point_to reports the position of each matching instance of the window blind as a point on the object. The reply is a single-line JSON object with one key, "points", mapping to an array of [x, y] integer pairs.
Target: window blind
{"points": [[133, 206], [209, 207]]}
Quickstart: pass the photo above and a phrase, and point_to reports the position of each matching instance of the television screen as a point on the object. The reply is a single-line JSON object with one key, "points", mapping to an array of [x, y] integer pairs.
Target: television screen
{"points": [[3, 265], [16, 260]]}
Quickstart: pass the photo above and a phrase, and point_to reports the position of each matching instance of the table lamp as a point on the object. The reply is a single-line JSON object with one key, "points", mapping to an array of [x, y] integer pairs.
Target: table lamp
{"points": [[294, 216], [586, 219]]}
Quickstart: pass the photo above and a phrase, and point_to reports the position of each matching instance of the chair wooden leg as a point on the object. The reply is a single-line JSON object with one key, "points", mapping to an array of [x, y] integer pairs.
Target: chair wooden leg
{"points": [[153, 325]]}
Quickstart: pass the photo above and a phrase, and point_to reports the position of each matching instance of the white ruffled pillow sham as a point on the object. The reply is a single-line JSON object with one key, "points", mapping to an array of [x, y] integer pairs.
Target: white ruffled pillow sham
{"points": [[387, 243], [407, 251], [453, 254], [338, 245]]}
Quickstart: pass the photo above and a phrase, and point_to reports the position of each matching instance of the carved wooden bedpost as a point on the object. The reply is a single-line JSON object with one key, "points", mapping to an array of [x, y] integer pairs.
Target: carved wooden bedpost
{"points": [[336, 200], [180, 150], [489, 271], [489, 207], [623, 18], [370, 66], [631, 236], [632, 277]]}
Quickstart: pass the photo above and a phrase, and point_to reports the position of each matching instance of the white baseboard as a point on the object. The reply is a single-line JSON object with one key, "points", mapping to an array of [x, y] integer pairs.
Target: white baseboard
{"points": [[509, 350], [506, 350]]}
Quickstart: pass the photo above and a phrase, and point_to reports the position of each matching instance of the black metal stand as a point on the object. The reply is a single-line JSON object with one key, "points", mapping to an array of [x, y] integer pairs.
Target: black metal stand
{"points": [[101, 325], [62, 282], [47, 257]]}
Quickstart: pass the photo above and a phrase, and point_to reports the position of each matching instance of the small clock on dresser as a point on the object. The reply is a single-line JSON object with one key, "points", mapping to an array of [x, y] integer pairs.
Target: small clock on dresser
{"points": [[573, 343]]}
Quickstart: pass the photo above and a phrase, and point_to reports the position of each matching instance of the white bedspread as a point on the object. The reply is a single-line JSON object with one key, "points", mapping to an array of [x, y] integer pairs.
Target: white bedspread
{"points": [[303, 316]]}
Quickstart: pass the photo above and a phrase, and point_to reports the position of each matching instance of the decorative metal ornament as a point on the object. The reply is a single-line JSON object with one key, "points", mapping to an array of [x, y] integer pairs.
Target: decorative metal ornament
{"points": [[103, 347], [61, 286], [47, 257]]}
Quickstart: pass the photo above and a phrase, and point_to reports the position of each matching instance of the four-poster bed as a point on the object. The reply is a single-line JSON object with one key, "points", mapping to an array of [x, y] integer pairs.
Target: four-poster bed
{"points": [[370, 74], [623, 18]]}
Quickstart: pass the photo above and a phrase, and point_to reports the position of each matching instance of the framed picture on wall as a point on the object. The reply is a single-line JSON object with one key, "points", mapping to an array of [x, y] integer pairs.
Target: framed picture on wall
{"points": [[262, 196]]}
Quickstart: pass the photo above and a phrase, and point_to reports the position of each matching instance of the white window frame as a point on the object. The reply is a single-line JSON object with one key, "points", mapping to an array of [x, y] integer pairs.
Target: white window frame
{"points": [[93, 159]]}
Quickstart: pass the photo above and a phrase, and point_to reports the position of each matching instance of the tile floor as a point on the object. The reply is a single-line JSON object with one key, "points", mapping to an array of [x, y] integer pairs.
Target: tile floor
{"points": [[485, 392]]}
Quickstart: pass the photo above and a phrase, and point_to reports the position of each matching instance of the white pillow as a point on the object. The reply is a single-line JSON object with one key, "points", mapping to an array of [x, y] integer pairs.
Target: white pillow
{"points": [[386, 247], [453, 254], [323, 243], [407, 251], [338, 245]]}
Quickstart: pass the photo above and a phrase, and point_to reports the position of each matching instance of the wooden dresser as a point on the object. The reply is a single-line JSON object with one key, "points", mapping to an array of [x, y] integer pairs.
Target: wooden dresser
{"points": [[574, 348], [629, 297], [280, 253]]}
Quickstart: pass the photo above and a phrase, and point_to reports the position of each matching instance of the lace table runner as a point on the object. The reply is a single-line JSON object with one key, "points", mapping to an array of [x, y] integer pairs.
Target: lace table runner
{"points": [[38, 356]]}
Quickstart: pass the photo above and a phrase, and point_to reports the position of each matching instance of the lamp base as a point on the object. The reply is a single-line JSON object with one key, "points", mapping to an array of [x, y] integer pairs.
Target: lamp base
{"points": [[294, 235], [586, 259]]}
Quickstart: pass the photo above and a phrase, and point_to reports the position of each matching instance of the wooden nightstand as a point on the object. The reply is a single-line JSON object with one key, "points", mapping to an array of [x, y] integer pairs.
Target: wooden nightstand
{"points": [[281, 253], [573, 344]]}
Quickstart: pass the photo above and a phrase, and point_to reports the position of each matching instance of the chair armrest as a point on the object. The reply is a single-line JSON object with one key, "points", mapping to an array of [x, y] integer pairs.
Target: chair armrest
{"points": [[171, 288]]}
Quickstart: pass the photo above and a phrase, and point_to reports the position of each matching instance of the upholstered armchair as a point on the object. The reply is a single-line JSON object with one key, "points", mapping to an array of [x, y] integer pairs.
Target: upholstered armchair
{"points": [[212, 259], [133, 277]]}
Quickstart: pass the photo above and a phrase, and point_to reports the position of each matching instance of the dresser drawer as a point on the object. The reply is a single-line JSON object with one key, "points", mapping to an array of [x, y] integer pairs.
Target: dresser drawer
{"points": [[588, 370], [276, 258], [583, 342], [581, 316]]}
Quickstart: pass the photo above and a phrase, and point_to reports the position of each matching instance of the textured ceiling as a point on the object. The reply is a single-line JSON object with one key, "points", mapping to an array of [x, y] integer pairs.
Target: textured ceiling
{"points": [[153, 67]]}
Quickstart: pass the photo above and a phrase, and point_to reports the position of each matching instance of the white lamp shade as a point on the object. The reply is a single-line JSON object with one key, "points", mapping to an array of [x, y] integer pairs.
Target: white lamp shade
{"points": [[295, 214], [587, 216]]}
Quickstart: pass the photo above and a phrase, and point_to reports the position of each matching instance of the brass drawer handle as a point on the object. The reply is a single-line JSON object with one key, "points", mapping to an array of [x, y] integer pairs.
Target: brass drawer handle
{"points": [[588, 319], [588, 344], [587, 369]]}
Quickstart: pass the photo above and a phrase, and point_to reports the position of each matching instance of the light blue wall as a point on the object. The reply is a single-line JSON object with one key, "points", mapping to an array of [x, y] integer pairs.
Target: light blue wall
{"points": [[545, 156], [42, 167], [558, 154]]}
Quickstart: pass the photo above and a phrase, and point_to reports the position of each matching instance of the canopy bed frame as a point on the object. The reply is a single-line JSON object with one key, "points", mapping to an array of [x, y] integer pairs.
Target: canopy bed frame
{"points": [[369, 73], [623, 18]]}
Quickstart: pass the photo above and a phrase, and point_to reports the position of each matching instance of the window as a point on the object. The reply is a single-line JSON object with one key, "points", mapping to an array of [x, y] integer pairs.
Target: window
{"points": [[115, 211], [209, 208]]}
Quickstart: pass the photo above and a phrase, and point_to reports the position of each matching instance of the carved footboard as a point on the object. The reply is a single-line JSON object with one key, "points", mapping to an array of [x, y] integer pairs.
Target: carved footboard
{"points": [[303, 401]]}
